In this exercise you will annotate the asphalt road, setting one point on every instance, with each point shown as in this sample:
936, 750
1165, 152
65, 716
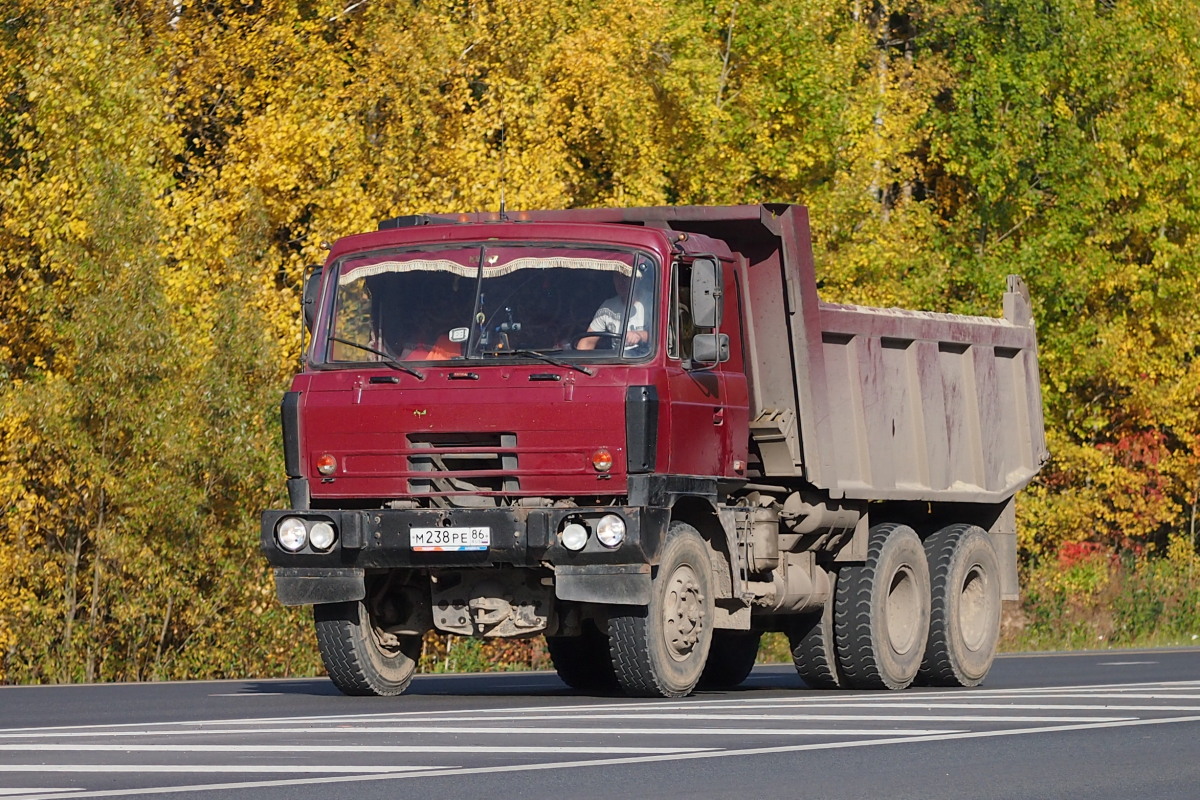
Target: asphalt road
1101, 726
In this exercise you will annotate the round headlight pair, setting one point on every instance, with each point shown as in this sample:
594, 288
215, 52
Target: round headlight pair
610, 530
292, 534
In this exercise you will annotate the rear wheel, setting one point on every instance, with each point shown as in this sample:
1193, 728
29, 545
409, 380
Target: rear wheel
730, 659
881, 616
360, 658
660, 650
964, 622
583, 661
814, 649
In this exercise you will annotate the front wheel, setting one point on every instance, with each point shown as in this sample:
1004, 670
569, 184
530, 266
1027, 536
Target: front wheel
360, 658
964, 622
660, 650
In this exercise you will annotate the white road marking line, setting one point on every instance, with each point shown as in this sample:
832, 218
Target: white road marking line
823, 700
333, 725
21, 792
509, 731
453, 727
832, 717
1017, 707
1124, 663
444, 772
1102, 696
262, 769
1013, 707
911, 702
129, 747
1095, 687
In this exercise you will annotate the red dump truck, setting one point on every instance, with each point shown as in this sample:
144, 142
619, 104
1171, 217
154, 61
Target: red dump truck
641, 434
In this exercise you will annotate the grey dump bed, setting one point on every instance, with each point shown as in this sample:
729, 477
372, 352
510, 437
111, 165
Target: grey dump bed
882, 404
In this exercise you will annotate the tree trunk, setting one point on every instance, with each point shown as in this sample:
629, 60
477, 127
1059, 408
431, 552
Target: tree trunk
70, 598
162, 638
93, 618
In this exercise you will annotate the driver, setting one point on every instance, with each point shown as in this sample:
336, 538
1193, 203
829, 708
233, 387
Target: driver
608, 317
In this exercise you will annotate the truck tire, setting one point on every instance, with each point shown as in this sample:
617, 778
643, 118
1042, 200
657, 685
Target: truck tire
660, 650
730, 659
583, 662
964, 619
356, 660
881, 616
814, 648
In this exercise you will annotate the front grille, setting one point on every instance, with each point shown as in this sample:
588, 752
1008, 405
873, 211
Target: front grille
463, 463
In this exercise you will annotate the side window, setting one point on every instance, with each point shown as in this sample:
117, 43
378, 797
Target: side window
682, 329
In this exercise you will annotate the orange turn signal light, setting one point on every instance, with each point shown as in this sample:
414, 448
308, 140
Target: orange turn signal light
602, 460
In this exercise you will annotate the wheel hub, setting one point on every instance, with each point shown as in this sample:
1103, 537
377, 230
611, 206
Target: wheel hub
974, 610
683, 613
903, 611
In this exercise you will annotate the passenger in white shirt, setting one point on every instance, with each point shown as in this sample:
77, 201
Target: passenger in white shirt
608, 318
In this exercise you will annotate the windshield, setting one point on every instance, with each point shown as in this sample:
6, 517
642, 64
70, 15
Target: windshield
437, 305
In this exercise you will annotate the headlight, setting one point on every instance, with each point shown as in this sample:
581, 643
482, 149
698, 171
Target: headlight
291, 534
322, 536
574, 536
611, 530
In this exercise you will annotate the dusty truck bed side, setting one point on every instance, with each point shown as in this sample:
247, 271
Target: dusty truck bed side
925, 406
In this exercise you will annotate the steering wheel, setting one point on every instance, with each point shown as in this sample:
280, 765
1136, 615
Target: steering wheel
609, 335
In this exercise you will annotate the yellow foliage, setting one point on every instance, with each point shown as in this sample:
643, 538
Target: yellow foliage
195, 156
1181, 551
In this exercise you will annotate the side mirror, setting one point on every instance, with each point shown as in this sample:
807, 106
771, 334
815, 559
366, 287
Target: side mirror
710, 348
308, 301
706, 292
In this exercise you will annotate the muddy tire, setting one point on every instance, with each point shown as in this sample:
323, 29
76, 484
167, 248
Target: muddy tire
881, 614
583, 662
814, 647
356, 658
730, 659
964, 621
660, 650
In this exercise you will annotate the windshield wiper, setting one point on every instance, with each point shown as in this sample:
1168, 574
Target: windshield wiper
558, 362
387, 359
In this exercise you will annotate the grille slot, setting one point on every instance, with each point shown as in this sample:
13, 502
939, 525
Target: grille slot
463, 463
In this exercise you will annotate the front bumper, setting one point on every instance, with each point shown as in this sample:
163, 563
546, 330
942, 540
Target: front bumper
379, 539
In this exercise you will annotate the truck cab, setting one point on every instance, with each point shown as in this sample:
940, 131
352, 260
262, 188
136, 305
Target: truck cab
493, 419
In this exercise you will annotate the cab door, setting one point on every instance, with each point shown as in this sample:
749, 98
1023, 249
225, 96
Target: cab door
707, 398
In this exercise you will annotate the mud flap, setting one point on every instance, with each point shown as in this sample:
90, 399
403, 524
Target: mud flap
303, 586
620, 584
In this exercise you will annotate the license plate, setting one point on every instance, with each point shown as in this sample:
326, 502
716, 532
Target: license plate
450, 539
